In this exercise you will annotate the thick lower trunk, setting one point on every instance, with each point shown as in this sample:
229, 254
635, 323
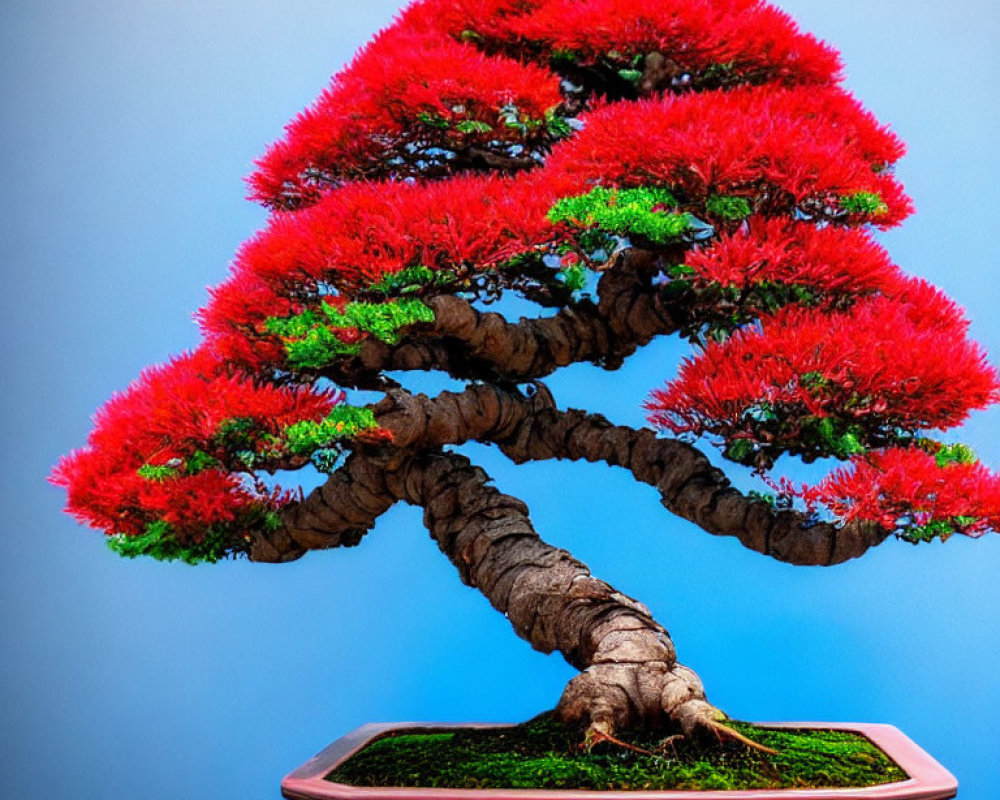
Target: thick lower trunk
630, 673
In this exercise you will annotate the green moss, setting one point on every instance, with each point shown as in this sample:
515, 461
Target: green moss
545, 754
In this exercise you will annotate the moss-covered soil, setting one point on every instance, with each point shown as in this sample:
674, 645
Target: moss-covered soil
545, 754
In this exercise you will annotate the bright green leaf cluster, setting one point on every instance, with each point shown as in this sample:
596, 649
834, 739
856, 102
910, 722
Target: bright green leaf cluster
955, 454
343, 422
411, 279
311, 339
433, 120
867, 203
625, 212
159, 542
192, 465
574, 277
935, 529
157, 472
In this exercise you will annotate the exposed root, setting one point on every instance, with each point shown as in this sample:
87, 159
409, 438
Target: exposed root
724, 732
598, 732
671, 742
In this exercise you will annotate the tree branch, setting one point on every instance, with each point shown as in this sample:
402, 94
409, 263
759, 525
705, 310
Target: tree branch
690, 487
337, 514
470, 344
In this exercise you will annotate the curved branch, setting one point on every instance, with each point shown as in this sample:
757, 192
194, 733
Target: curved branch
467, 343
530, 428
691, 487
337, 514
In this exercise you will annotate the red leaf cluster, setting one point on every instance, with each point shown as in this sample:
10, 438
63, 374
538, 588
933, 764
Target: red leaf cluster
901, 362
399, 99
896, 484
781, 149
753, 39
828, 260
360, 233
162, 419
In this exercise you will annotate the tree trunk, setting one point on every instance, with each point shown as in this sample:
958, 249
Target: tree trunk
630, 673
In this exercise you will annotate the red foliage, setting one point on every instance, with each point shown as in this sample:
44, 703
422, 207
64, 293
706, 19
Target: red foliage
900, 362
781, 149
168, 414
401, 97
891, 485
755, 40
362, 232
828, 261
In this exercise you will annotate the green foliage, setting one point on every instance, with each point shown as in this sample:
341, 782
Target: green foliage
815, 437
574, 277
731, 208
433, 120
564, 56
545, 754
157, 472
955, 454
472, 126
867, 203
237, 433
556, 124
343, 422
384, 321
625, 212
192, 465
410, 280
158, 541
198, 461
311, 339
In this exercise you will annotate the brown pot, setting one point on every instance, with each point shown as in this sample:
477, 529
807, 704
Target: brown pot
928, 779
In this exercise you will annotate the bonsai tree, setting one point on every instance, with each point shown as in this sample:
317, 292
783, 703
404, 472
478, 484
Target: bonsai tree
633, 170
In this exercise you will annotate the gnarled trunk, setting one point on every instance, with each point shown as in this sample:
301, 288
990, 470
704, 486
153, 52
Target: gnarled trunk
630, 673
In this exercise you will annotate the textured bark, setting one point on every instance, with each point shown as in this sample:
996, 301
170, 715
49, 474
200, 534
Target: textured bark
691, 487
630, 671
531, 428
468, 343
337, 514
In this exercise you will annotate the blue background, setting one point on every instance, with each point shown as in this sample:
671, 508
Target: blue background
127, 130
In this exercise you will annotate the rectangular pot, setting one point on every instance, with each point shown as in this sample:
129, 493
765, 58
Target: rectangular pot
928, 779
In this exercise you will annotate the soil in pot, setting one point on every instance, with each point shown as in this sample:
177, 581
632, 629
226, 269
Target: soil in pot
546, 754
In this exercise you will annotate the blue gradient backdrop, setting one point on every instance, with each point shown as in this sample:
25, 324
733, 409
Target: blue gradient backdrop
127, 130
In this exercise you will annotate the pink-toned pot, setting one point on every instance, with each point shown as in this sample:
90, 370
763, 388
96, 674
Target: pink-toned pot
928, 779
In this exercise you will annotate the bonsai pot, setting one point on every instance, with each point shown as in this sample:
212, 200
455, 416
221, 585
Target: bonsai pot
927, 779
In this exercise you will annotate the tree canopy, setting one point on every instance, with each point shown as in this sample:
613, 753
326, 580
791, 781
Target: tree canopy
635, 170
